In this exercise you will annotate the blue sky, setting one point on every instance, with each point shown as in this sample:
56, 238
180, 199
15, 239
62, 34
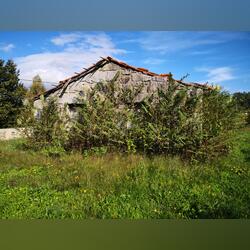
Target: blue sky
215, 57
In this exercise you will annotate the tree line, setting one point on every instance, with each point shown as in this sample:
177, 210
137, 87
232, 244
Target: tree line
13, 93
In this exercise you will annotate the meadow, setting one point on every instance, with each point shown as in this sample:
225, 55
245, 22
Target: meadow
37, 184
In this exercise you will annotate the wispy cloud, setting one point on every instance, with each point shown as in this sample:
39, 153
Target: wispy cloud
7, 47
218, 74
200, 52
169, 41
153, 61
63, 39
55, 66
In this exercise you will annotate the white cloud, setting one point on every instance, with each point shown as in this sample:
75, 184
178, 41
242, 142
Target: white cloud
200, 52
7, 47
66, 38
153, 61
172, 41
56, 66
217, 75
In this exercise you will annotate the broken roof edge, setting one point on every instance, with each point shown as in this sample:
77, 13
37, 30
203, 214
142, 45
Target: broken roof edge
64, 83
147, 72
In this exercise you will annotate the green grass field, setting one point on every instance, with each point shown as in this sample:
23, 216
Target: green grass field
35, 185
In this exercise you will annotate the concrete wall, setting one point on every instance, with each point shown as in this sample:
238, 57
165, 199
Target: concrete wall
10, 133
106, 73
126, 79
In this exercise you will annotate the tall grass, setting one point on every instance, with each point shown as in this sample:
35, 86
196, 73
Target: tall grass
36, 185
174, 154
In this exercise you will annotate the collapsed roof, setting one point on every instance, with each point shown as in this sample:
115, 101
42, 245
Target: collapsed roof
65, 83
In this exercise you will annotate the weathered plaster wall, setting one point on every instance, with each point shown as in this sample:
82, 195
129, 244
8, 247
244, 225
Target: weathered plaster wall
10, 133
127, 78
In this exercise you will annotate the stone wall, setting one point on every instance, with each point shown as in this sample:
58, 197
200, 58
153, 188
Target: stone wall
127, 77
10, 133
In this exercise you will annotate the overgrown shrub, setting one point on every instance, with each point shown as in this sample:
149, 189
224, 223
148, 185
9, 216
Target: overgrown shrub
175, 120
168, 124
99, 124
103, 119
220, 117
45, 128
248, 116
242, 100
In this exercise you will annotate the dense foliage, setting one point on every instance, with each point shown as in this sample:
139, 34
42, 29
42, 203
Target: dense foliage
36, 88
242, 100
194, 124
44, 128
186, 122
35, 185
12, 94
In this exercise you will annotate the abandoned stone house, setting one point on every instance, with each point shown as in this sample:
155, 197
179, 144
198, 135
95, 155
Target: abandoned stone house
68, 91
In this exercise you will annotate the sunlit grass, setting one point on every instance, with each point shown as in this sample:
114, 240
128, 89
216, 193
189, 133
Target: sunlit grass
33, 185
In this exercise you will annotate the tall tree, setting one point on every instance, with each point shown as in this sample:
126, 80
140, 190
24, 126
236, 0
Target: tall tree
11, 94
243, 102
36, 88
242, 99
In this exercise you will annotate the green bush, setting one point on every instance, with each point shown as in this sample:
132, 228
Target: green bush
99, 124
186, 121
242, 100
248, 117
48, 128
194, 124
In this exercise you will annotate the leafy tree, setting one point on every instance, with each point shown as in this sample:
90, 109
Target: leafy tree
11, 94
36, 88
242, 99
243, 103
46, 129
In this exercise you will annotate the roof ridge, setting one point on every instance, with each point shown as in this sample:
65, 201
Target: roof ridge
138, 69
146, 71
64, 83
